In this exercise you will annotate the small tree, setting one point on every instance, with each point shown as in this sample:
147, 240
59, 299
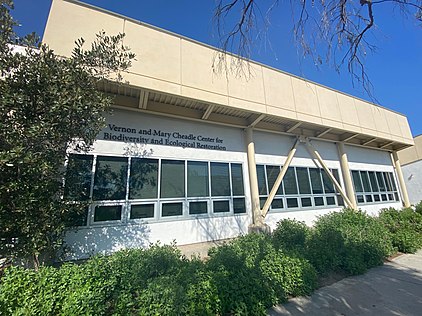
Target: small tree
47, 103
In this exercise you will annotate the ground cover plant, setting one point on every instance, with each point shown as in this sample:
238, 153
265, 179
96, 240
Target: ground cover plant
243, 277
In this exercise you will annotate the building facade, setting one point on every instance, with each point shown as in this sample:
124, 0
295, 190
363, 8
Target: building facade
411, 160
192, 156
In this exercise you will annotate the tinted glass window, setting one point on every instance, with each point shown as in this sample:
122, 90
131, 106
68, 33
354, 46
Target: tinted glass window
316, 181
356, 181
381, 183
171, 209
107, 213
237, 179
141, 211
328, 185
220, 179
143, 180
290, 181
365, 181
272, 174
78, 177
221, 206
110, 178
373, 180
198, 179
303, 180
198, 208
172, 179
262, 184
239, 205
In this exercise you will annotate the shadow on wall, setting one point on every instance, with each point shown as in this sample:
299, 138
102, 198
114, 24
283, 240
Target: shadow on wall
213, 229
84, 243
385, 290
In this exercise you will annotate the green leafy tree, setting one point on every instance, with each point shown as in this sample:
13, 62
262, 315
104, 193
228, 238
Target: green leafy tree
47, 104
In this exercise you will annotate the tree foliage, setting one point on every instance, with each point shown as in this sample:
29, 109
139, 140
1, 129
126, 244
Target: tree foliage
47, 104
331, 31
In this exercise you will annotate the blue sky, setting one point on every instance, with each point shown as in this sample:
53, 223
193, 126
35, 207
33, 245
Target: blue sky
395, 69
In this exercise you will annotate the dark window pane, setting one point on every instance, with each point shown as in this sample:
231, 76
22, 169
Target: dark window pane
277, 204
331, 200
237, 179
221, 206
393, 182
306, 202
198, 179
368, 198
290, 181
143, 180
387, 181
373, 181
390, 196
356, 181
360, 199
262, 201
316, 181
172, 179
381, 183
377, 198
141, 211
239, 205
78, 178
272, 174
220, 179
292, 203
365, 181
303, 180
396, 196
384, 197
340, 200
336, 176
110, 178
171, 209
262, 184
198, 208
328, 185
107, 213
319, 201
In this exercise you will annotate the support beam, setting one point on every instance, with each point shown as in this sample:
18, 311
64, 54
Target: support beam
253, 179
291, 129
143, 99
387, 144
345, 171
208, 111
314, 153
324, 132
277, 182
349, 138
369, 141
257, 120
400, 177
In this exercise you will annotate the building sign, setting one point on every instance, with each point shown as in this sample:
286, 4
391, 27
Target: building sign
154, 136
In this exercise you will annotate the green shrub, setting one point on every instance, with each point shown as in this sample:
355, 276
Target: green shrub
291, 235
405, 227
349, 241
418, 208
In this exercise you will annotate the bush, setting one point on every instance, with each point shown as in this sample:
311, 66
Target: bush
405, 227
349, 241
251, 275
291, 235
418, 208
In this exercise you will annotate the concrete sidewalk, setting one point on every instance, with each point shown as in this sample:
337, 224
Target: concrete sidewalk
392, 289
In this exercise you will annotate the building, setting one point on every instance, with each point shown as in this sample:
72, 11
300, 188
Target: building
192, 156
411, 160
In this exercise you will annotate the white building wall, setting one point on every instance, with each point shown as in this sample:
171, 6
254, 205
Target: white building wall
271, 149
412, 174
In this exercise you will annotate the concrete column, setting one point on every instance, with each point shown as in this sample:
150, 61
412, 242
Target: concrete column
400, 177
345, 171
253, 179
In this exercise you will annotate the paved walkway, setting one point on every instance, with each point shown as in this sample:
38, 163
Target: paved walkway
393, 289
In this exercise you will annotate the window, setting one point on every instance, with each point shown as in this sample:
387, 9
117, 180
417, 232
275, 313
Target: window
110, 178
78, 178
374, 187
301, 187
153, 189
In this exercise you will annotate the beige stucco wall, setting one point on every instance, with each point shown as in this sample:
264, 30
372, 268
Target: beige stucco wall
413, 153
175, 65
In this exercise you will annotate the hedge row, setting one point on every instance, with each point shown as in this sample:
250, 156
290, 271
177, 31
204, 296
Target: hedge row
243, 277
